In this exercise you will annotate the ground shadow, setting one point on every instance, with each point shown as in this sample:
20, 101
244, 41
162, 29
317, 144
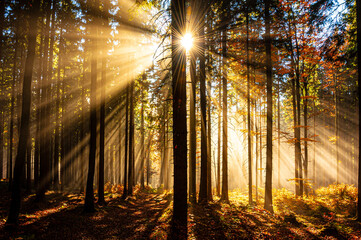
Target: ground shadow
134, 218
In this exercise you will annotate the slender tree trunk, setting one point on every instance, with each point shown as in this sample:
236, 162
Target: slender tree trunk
2, 97
162, 141
131, 182
52, 151
257, 149
224, 196
126, 143
25, 117
305, 119
142, 142
12, 109
57, 153
209, 145
298, 134
166, 149
219, 139
279, 133
268, 189
249, 129
297, 188
89, 194
38, 111
336, 131
358, 6
314, 143
45, 118
260, 147
203, 193
28, 164
179, 221
192, 131
120, 140
103, 85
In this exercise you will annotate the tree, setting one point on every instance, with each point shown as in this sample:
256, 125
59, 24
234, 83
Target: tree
89, 194
142, 142
2, 23
131, 158
358, 6
203, 193
25, 116
101, 199
249, 127
179, 221
126, 143
224, 196
268, 189
45, 151
192, 131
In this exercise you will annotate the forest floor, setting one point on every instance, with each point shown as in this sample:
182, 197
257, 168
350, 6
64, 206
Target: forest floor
326, 214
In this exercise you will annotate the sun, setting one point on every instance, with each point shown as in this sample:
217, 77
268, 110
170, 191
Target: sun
187, 41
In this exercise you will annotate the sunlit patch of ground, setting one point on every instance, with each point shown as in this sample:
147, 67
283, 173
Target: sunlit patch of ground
326, 214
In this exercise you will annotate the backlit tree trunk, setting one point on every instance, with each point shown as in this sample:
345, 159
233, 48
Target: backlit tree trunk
179, 221
268, 188
25, 117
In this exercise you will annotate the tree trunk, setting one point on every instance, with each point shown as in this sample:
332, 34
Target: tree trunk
192, 131
219, 139
249, 129
203, 193
224, 196
131, 182
2, 97
102, 86
358, 6
336, 131
279, 134
57, 153
179, 221
25, 117
142, 132
12, 109
52, 159
89, 194
45, 118
126, 143
209, 145
268, 188
305, 119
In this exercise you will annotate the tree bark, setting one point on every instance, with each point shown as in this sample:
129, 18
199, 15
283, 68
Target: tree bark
192, 131
203, 193
268, 188
126, 143
249, 128
131, 182
89, 194
179, 221
224, 196
102, 86
142, 142
25, 117
358, 6
45, 118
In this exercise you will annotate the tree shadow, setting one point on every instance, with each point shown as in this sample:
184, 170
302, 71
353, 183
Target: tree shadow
217, 221
205, 221
135, 218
